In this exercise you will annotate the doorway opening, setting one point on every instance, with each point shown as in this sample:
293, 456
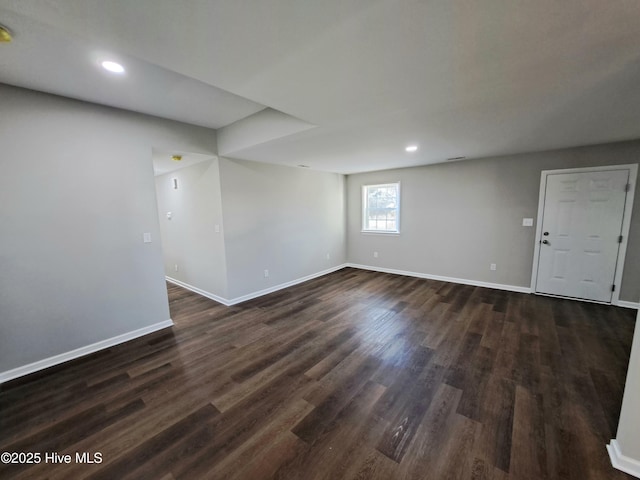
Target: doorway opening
190, 220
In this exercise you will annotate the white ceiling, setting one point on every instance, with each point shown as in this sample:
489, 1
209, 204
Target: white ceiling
49, 60
459, 77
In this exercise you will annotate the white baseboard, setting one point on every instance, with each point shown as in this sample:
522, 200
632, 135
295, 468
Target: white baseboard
621, 462
625, 304
250, 296
275, 288
81, 352
199, 291
463, 281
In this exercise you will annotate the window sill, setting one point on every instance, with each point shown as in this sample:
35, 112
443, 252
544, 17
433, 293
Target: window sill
377, 232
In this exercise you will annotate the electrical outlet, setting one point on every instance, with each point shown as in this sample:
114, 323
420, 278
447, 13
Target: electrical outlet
328, 256
492, 266
266, 274
375, 254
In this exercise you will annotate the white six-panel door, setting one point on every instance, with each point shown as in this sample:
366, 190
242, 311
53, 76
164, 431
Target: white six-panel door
581, 228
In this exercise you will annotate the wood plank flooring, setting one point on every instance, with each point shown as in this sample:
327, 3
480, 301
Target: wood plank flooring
355, 375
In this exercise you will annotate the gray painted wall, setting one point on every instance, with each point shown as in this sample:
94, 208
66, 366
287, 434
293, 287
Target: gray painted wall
189, 238
76, 194
458, 218
281, 219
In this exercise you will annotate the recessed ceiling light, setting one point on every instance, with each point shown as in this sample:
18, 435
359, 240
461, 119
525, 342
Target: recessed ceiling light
411, 148
112, 67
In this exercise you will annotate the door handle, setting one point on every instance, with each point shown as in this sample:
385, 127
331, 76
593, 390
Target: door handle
546, 242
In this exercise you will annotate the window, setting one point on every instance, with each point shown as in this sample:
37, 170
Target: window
381, 208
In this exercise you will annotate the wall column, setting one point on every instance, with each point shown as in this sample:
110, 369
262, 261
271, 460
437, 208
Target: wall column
624, 450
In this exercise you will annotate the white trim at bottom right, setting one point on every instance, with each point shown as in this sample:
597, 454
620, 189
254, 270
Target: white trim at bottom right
621, 462
625, 304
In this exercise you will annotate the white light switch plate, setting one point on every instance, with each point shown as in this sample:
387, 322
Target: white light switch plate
146, 237
527, 222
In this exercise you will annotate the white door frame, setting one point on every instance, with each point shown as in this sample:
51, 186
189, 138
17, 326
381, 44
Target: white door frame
626, 221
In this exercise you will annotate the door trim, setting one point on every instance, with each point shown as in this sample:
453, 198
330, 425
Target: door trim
626, 220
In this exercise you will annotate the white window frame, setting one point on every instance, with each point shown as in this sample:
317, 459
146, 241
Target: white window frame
365, 208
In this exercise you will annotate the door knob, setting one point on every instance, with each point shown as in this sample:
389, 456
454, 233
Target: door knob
546, 242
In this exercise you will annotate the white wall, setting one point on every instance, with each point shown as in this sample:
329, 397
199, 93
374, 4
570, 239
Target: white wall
280, 219
625, 449
76, 194
458, 218
189, 238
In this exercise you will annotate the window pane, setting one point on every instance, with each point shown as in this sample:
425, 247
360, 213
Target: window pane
380, 207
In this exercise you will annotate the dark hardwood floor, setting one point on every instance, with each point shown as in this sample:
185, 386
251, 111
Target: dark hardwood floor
355, 375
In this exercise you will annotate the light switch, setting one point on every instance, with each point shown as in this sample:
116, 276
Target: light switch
146, 237
217, 228
527, 222
168, 215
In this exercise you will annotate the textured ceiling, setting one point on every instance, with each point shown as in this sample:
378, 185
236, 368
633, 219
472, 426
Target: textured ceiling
458, 78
